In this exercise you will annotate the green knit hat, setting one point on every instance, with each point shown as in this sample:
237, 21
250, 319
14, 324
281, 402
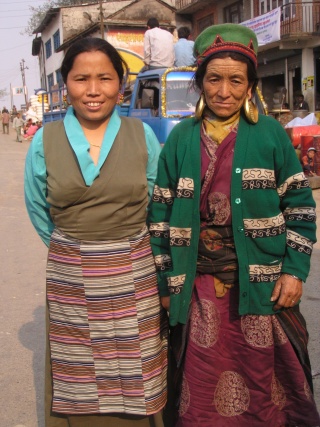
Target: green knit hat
226, 38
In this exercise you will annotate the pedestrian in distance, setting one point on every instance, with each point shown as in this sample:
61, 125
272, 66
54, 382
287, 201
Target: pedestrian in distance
300, 103
183, 49
5, 121
87, 180
308, 163
233, 225
158, 46
18, 125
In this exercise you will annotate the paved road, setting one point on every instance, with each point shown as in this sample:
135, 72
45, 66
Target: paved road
22, 280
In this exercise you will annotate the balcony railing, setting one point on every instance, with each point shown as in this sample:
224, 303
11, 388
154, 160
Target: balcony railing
300, 18
181, 4
296, 17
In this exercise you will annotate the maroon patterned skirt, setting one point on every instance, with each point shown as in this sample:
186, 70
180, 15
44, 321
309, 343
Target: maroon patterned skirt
240, 371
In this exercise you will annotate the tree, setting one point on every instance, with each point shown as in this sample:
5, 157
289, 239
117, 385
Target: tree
39, 12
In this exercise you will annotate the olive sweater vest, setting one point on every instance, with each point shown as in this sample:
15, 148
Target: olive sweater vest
114, 206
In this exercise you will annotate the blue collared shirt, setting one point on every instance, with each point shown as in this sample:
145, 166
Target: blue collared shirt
183, 51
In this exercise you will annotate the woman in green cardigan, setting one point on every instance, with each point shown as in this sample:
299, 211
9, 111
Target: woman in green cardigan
232, 224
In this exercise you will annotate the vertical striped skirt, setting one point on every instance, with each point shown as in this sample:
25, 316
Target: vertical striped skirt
107, 331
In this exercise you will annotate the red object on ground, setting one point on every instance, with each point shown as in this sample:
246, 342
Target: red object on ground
316, 145
297, 132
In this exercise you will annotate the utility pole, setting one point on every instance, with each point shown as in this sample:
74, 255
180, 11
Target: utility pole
11, 97
22, 68
101, 19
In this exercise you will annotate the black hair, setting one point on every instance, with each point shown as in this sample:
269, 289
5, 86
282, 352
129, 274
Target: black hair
93, 44
183, 32
251, 69
153, 23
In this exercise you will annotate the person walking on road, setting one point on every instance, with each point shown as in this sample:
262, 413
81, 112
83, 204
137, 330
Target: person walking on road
87, 181
5, 121
17, 125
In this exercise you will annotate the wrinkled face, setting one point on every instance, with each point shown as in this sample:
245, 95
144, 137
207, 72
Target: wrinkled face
93, 86
226, 86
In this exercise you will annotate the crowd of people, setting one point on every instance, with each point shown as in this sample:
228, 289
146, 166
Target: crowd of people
153, 249
24, 129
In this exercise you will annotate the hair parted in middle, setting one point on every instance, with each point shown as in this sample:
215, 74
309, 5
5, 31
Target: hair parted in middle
93, 44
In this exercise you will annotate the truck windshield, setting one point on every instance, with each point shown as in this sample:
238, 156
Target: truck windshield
181, 97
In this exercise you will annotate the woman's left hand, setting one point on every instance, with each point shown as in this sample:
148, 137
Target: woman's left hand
287, 291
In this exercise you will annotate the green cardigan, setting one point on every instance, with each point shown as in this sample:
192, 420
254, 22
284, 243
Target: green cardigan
273, 214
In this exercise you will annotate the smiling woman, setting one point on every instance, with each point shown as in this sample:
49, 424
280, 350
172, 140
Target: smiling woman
93, 86
87, 181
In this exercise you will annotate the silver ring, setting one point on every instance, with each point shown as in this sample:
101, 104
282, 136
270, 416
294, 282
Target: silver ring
293, 300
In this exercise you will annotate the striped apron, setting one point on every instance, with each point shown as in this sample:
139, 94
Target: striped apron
107, 331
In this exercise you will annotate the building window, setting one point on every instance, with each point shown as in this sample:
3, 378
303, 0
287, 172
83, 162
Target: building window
48, 49
233, 13
59, 78
50, 81
56, 40
205, 23
288, 9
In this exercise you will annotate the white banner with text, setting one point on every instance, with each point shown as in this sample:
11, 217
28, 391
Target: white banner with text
266, 26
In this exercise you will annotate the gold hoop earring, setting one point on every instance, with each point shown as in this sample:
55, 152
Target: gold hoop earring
120, 98
201, 104
66, 100
251, 111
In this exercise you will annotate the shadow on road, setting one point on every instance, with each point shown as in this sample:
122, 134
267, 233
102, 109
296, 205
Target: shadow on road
32, 336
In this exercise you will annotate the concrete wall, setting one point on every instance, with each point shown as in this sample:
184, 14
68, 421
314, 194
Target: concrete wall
307, 71
142, 10
53, 63
207, 16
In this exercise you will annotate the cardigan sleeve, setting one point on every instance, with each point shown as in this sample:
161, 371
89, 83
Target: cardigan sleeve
298, 208
159, 220
174, 214
153, 148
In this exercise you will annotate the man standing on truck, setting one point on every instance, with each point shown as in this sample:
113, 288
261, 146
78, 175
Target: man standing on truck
158, 47
183, 49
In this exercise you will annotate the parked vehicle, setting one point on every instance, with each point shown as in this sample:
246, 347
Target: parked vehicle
161, 98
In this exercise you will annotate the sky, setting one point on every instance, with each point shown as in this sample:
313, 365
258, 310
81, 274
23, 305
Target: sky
14, 47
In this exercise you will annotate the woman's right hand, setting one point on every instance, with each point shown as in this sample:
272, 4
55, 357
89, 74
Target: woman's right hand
165, 302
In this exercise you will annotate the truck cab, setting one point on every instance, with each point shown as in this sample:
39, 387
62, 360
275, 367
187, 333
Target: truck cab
161, 98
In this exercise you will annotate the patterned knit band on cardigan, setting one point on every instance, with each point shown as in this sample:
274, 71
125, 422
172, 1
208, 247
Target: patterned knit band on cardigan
226, 38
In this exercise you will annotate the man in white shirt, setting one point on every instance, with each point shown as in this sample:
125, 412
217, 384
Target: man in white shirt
158, 46
17, 125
